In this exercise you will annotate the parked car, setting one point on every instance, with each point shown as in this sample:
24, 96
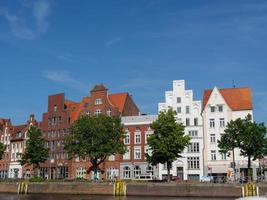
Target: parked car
206, 179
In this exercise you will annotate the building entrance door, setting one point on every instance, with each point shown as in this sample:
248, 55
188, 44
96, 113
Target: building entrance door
180, 173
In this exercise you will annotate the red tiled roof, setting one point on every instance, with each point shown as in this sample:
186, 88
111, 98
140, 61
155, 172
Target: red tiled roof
118, 100
236, 98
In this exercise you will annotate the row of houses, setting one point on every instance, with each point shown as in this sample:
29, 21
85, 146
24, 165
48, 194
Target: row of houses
204, 122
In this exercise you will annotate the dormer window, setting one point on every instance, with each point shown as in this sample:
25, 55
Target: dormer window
55, 108
98, 101
18, 135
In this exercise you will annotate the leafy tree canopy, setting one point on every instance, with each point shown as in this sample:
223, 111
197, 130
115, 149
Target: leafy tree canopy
96, 137
2, 150
248, 136
168, 141
36, 151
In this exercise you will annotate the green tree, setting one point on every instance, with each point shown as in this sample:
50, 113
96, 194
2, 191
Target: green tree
2, 150
36, 151
230, 140
246, 135
168, 141
95, 137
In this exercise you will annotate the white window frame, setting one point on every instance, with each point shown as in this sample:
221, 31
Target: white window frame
137, 153
127, 154
127, 139
98, 101
135, 137
213, 154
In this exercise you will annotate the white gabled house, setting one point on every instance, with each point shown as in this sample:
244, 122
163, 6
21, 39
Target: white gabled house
219, 107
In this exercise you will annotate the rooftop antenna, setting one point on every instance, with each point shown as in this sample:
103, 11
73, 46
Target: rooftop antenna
233, 83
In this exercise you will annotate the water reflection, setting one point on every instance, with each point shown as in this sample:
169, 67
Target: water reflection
90, 197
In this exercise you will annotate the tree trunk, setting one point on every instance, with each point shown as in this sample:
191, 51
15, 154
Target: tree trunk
168, 170
249, 169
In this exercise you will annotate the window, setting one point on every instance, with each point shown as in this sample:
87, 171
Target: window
98, 112
187, 109
98, 101
212, 138
137, 138
193, 133
213, 154
55, 108
193, 147
193, 177
88, 113
127, 138
195, 121
220, 108
212, 109
109, 112
111, 158
193, 162
137, 171
222, 122
126, 172
137, 153
187, 121
212, 123
178, 99
127, 155
223, 156
80, 172
137, 128
179, 110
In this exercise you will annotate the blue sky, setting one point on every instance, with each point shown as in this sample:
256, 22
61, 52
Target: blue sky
52, 46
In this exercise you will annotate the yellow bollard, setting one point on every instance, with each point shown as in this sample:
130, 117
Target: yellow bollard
119, 188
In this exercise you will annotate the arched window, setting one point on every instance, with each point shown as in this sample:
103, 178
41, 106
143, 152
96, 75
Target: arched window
137, 171
149, 169
126, 172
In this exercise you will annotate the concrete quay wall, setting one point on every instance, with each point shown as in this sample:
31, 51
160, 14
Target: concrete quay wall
134, 189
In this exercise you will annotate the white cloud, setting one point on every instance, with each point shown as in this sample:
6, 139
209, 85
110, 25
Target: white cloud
41, 10
64, 78
113, 41
28, 27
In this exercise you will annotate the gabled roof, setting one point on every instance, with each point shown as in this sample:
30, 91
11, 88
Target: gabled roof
236, 98
16, 129
118, 100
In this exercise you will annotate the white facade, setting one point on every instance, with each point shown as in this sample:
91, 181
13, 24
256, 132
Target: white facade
15, 169
190, 165
216, 114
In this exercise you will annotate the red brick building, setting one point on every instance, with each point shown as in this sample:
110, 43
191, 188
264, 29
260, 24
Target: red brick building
62, 113
5, 134
133, 164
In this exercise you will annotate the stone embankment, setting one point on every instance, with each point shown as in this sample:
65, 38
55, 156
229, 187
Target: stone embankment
134, 189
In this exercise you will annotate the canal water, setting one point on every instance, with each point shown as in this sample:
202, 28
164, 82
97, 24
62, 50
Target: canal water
90, 197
